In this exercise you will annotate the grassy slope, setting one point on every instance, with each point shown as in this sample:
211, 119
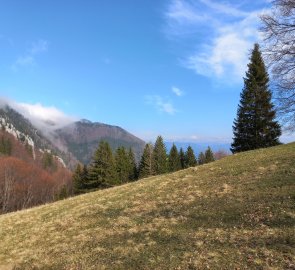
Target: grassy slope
238, 212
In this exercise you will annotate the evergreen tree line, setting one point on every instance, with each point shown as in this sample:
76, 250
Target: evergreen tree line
106, 169
109, 169
155, 160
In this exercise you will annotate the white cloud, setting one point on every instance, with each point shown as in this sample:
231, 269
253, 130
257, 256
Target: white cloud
29, 59
160, 104
177, 91
222, 49
227, 54
46, 118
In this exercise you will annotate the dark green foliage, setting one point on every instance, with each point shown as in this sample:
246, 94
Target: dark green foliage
132, 168
122, 165
63, 193
182, 158
5, 146
255, 125
174, 160
209, 156
201, 158
159, 162
48, 161
145, 166
84, 176
77, 180
190, 158
80, 180
102, 171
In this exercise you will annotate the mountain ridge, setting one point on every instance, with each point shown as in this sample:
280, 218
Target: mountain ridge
74, 142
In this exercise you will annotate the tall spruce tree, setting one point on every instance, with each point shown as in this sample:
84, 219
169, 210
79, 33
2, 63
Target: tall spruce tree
122, 164
132, 168
102, 171
77, 180
190, 158
173, 159
84, 177
182, 158
255, 125
209, 156
80, 179
159, 163
145, 165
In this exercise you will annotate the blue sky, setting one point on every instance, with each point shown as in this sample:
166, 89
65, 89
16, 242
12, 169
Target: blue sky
171, 67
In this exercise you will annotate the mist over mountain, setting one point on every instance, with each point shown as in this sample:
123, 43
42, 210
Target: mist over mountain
70, 139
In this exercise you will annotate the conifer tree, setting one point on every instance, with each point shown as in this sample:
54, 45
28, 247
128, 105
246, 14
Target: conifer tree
122, 164
159, 161
201, 158
182, 158
190, 158
102, 171
133, 174
255, 125
77, 180
145, 166
173, 159
209, 156
84, 177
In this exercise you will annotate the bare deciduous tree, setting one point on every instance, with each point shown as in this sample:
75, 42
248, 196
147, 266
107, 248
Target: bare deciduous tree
279, 50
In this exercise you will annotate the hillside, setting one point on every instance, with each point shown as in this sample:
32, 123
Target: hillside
236, 213
74, 142
29, 176
81, 138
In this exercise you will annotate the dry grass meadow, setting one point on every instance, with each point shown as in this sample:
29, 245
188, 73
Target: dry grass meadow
236, 213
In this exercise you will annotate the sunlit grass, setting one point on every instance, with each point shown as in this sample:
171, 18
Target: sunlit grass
236, 213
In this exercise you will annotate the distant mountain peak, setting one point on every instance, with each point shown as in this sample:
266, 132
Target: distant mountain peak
85, 121
73, 142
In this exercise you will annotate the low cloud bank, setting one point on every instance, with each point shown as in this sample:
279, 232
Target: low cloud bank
47, 119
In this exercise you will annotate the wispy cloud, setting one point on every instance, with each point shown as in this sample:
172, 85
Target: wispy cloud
23, 61
226, 35
160, 104
177, 91
224, 8
29, 58
183, 12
